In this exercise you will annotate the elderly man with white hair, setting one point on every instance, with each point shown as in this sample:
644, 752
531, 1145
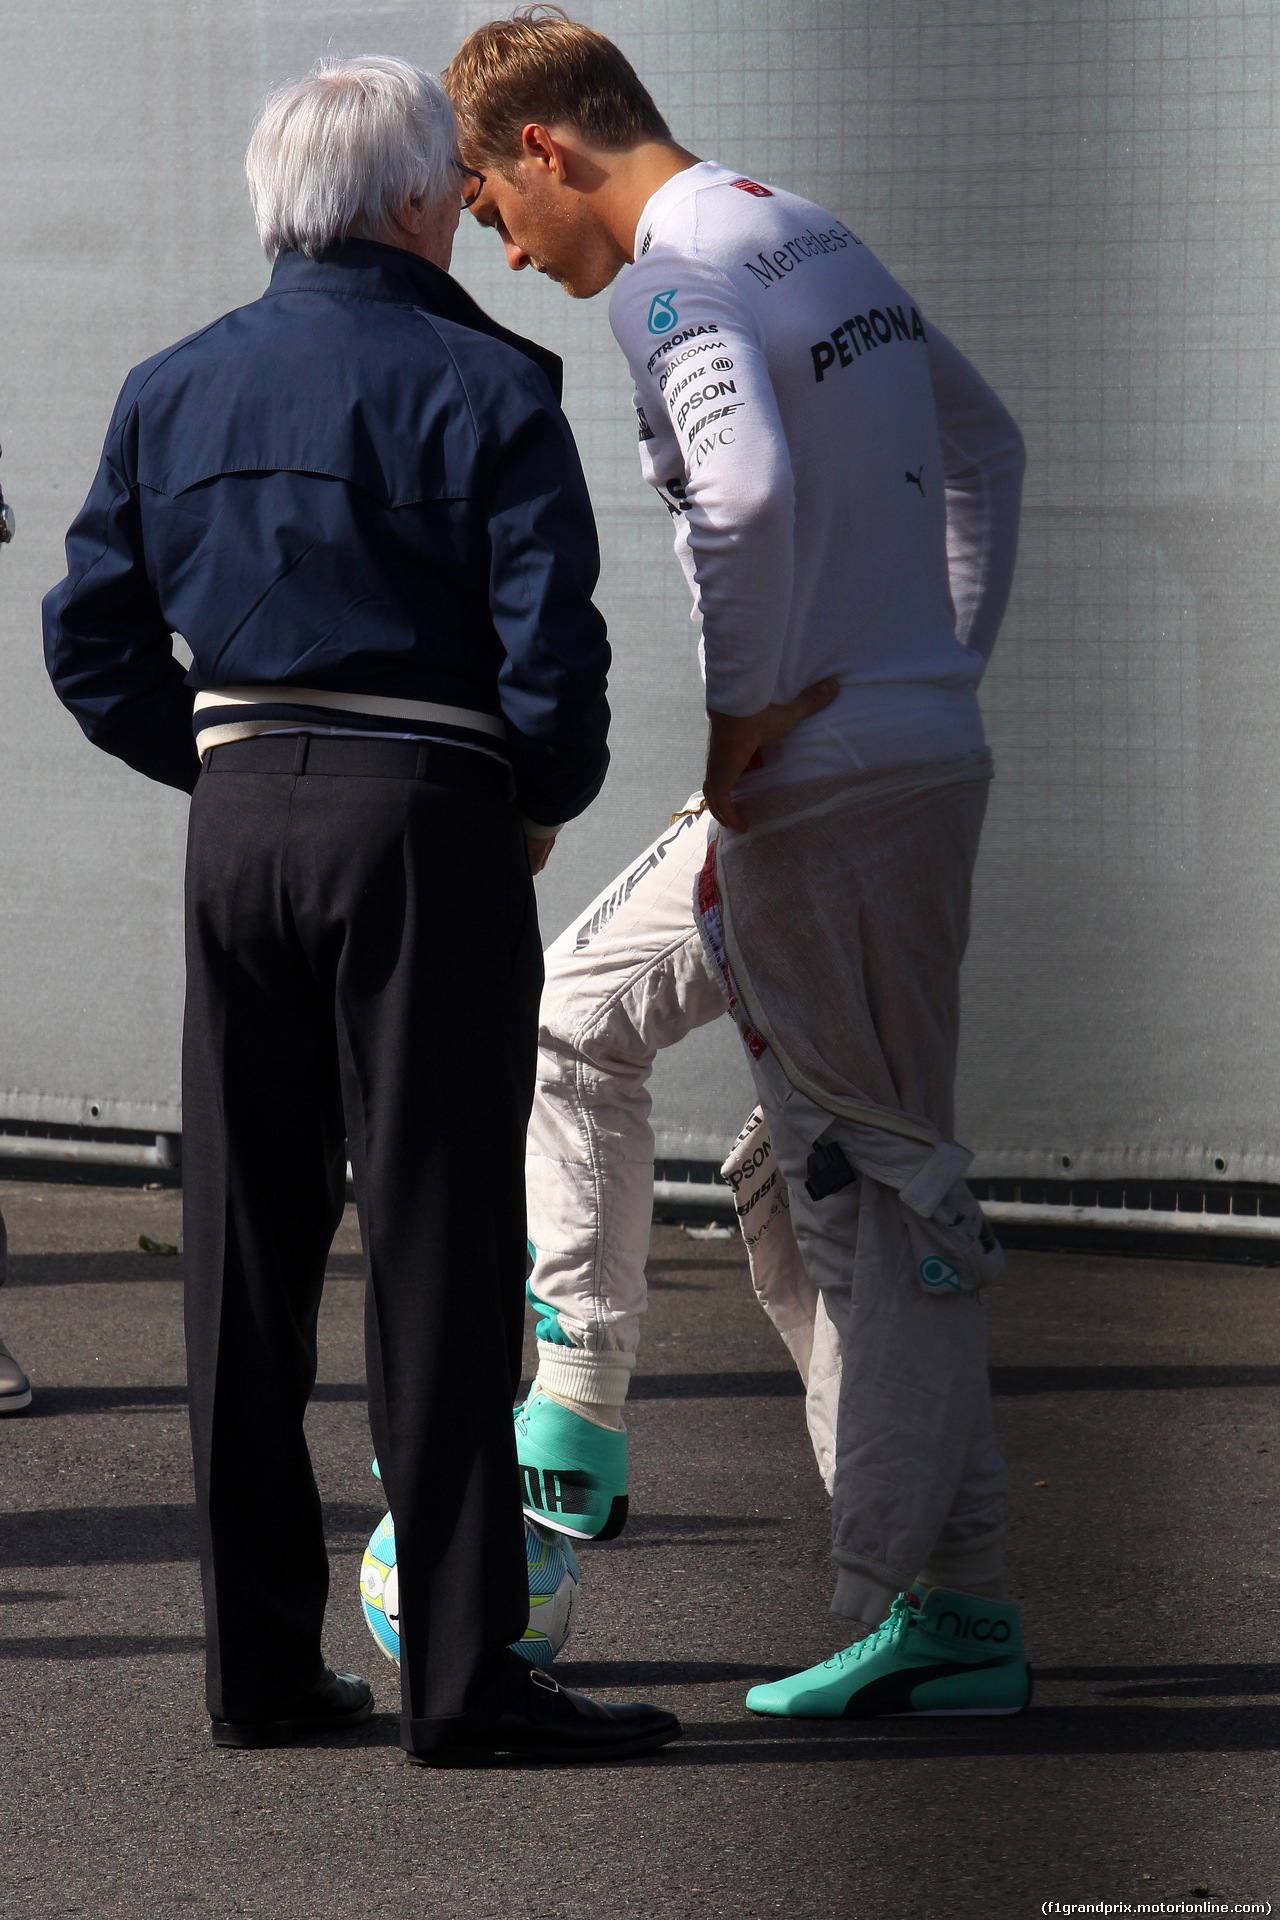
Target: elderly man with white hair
358, 501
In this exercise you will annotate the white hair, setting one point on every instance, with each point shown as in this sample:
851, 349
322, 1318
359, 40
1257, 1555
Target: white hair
337, 155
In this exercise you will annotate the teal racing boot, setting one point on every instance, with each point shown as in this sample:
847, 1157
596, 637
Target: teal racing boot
954, 1654
573, 1474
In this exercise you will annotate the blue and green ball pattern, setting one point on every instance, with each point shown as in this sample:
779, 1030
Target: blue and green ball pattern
553, 1592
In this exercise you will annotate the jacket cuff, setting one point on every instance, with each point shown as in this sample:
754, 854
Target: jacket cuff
536, 831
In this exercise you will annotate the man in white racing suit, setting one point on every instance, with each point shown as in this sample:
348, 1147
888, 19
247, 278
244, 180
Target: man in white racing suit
844, 489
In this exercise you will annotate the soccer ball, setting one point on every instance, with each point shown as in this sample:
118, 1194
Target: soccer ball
380, 1588
553, 1592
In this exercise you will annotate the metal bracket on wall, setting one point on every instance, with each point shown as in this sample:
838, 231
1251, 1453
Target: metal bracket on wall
1190, 1210
690, 1191
1233, 1226
163, 1153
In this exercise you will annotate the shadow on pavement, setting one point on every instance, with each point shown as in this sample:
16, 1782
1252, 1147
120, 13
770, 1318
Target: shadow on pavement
51, 1403
1010, 1382
145, 1535
79, 1269
140, 1536
648, 1530
1044, 1731
583, 1675
384, 1731
129, 1267
717, 1386
1181, 1682
1007, 1382
104, 1646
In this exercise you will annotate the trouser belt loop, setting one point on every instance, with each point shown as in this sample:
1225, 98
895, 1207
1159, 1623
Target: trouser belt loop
302, 747
423, 762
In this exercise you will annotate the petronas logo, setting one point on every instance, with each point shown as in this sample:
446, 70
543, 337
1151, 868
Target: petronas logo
662, 315
939, 1277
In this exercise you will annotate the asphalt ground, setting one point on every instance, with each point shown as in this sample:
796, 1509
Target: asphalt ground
1136, 1404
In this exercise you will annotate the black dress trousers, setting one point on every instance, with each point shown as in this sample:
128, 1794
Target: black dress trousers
363, 973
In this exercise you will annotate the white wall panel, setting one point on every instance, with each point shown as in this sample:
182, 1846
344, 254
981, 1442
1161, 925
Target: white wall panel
1083, 195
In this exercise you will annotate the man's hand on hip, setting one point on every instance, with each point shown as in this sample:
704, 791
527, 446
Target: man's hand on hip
735, 740
539, 851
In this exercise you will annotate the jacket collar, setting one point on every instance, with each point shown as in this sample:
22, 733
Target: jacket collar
369, 270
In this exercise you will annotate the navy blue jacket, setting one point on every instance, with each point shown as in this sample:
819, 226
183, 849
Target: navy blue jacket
359, 484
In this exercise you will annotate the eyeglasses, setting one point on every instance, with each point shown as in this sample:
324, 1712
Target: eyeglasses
469, 173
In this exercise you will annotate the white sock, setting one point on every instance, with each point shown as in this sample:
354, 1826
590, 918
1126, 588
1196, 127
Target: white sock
592, 1385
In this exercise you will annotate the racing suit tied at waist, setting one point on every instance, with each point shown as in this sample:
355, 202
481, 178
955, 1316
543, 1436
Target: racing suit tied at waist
849, 862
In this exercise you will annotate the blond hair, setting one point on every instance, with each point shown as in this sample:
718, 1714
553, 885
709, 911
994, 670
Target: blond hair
538, 65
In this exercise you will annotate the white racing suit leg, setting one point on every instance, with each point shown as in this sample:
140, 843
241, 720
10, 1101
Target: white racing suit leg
628, 978
793, 1302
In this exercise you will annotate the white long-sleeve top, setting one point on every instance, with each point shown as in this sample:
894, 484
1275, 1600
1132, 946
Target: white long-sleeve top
845, 487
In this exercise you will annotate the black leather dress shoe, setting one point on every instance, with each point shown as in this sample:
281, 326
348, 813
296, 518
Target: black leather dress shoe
542, 1720
336, 1701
